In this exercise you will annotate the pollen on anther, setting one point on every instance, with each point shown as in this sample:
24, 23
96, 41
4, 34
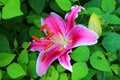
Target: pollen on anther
43, 27
36, 38
49, 45
49, 35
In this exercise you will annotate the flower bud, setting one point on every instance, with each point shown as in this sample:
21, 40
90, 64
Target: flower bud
94, 24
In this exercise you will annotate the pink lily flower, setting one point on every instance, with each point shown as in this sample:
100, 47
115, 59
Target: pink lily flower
60, 38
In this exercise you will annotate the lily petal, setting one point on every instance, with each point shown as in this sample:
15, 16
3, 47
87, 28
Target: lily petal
46, 58
65, 61
80, 35
55, 23
38, 46
71, 16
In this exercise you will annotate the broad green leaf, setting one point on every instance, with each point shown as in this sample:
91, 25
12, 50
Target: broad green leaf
94, 10
55, 7
11, 9
32, 69
0, 74
33, 56
111, 42
65, 5
4, 44
33, 31
108, 5
115, 68
82, 53
98, 61
80, 70
63, 76
93, 3
54, 75
60, 68
0, 15
114, 19
23, 57
3, 1
6, 58
15, 71
90, 74
37, 5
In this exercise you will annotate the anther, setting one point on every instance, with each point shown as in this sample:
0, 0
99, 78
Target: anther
49, 45
43, 27
49, 35
36, 38
48, 31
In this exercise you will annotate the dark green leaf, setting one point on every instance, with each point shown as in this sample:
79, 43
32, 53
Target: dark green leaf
108, 5
55, 7
97, 60
111, 42
80, 70
60, 68
37, 5
35, 32
82, 53
11, 9
15, 71
32, 69
4, 44
0, 74
6, 58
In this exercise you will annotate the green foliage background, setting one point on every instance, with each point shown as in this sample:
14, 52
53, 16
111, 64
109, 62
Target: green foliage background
19, 19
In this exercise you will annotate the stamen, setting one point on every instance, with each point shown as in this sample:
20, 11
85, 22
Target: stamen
49, 35
48, 31
36, 38
61, 48
49, 45
43, 27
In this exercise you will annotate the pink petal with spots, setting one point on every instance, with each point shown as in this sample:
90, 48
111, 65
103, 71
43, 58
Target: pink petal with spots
38, 46
46, 58
55, 23
71, 16
65, 61
80, 35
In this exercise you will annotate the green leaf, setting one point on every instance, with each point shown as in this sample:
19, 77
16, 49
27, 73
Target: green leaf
82, 53
90, 74
55, 7
37, 5
92, 10
25, 45
115, 68
60, 68
98, 61
4, 44
32, 69
111, 42
0, 74
80, 70
114, 19
11, 9
23, 57
63, 76
118, 11
108, 5
112, 56
4, 1
6, 58
54, 75
15, 71
93, 3
65, 5
35, 31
